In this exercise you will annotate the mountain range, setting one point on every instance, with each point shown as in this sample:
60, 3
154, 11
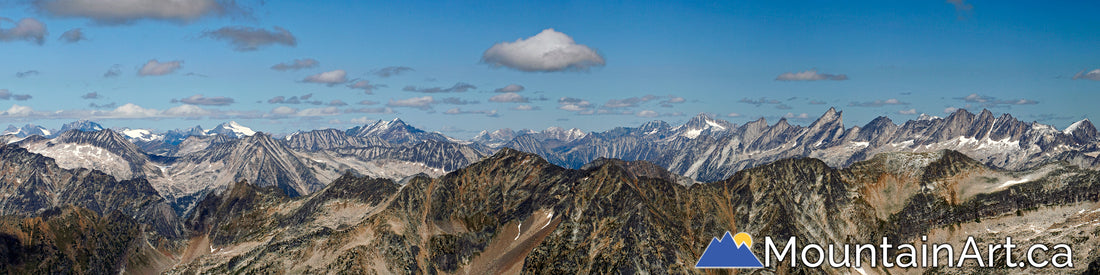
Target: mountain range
387, 197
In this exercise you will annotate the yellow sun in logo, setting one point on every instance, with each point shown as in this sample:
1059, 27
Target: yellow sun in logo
742, 239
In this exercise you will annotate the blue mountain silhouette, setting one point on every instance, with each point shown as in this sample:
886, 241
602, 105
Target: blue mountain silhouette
724, 253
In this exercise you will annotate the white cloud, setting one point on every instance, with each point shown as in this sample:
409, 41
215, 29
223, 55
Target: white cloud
327, 111
284, 110
457, 111
126, 11
511, 88
28, 29
154, 67
908, 112
647, 113
365, 86
360, 120
1091, 75
797, 116
130, 110
733, 115
17, 110
950, 110
508, 97
525, 107
392, 71
186, 110
878, 103
199, 99
423, 102
574, 104
810, 75
328, 78
547, 51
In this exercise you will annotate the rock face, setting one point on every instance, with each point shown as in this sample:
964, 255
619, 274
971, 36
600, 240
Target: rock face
515, 212
707, 149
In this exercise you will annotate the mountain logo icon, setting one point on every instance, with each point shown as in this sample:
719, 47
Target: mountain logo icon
729, 252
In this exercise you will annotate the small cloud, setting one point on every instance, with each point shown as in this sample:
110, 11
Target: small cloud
27, 29
511, 88
423, 103
811, 75
303, 99
783, 107
154, 67
130, 110
8, 95
284, 110
574, 104
26, 73
797, 116
548, 51
126, 12
111, 105
525, 107
758, 102
368, 102
647, 113
455, 101
17, 110
186, 110
878, 103
296, 64
457, 111
628, 102
667, 103
1091, 75
91, 95
337, 102
199, 99
314, 112
250, 39
457, 88
72, 36
392, 71
114, 71
365, 86
733, 115
330, 78
962, 8
990, 102
509, 97
908, 112
950, 110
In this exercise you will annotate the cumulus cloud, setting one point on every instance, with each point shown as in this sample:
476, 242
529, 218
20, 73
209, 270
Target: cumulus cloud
392, 71
368, 102
907, 112
548, 51
423, 103
1090, 75
667, 103
989, 101
647, 113
509, 97
878, 103
457, 111
296, 64
199, 99
186, 110
574, 104
950, 110
511, 88
525, 107
27, 73
126, 11
810, 75
26, 29
284, 110
17, 110
330, 78
337, 102
91, 95
457, 88
114, 71
130, 110
733, 115
8, 95
154, 67
366, 86
72, 36
250, 39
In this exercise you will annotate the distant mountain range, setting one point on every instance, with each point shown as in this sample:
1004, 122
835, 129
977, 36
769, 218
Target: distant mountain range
387, 197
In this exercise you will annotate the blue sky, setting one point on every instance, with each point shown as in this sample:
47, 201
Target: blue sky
737, 60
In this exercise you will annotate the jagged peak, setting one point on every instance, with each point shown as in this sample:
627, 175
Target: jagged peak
879, 121
960, 113
924, 116
1083, 124
830, 116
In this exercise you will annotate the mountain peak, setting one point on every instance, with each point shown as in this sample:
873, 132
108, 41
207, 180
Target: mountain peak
82, 125
232, 129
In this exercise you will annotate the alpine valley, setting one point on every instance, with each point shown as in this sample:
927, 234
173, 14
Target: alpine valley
386, 197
